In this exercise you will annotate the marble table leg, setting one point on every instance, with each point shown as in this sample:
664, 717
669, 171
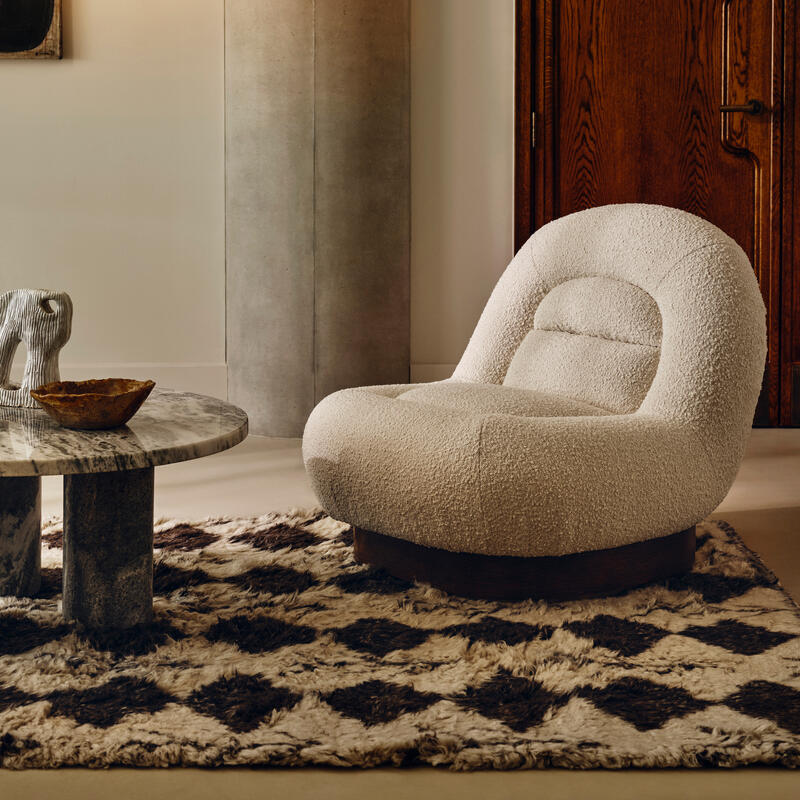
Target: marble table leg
108, 548
20, 536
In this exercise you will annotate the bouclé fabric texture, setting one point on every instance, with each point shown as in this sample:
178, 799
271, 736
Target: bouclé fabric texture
605, 398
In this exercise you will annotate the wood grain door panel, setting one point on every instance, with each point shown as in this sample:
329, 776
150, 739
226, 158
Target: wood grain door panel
627, 101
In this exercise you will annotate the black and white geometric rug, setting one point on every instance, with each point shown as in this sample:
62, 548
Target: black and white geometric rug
273, 647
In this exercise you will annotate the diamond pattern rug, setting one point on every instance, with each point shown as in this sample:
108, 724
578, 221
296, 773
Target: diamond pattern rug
271, 646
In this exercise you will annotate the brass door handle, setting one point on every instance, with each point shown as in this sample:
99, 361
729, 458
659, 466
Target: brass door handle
750, 107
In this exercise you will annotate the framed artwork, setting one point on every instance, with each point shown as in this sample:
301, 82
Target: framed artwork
30, 28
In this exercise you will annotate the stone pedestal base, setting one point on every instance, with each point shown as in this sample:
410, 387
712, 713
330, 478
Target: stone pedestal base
20, 536
108, 548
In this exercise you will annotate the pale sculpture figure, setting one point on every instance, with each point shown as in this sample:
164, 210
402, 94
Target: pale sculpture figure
42, 320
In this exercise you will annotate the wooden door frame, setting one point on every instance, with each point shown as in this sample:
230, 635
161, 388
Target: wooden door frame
524, 145
790, 223
535, 156
534, 150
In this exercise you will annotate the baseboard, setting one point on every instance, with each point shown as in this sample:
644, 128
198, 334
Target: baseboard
425, 373
210, 379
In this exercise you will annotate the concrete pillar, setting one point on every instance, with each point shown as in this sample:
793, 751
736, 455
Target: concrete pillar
317, 109
362, 194
269, 98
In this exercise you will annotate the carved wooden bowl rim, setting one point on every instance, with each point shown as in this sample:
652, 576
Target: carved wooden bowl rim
99, 388
93, 404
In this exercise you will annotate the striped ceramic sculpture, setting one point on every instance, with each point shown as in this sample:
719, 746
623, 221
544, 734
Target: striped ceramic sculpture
42, 320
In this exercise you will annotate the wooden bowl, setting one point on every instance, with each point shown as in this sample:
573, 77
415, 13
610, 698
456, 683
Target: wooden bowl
92, 405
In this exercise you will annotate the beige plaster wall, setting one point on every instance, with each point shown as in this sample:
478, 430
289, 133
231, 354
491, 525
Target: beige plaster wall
462, 129
112, 166
112, 186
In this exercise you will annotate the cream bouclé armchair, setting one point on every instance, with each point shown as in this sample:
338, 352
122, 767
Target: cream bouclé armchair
600, 410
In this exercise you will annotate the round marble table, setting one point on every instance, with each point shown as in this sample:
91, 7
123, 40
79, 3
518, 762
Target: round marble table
108, 499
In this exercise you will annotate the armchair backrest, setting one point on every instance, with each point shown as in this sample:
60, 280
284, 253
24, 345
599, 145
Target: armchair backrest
638, 309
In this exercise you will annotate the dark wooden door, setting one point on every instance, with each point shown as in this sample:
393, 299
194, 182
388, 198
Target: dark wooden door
624, 101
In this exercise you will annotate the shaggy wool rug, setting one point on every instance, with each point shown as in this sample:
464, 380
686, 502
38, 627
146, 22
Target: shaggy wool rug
271, 646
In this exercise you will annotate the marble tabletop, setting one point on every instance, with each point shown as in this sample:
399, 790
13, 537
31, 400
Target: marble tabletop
170, 426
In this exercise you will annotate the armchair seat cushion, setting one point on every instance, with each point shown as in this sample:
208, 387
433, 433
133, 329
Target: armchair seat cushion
497, 471
489, 398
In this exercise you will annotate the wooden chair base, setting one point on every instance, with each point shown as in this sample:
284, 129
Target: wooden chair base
590, 574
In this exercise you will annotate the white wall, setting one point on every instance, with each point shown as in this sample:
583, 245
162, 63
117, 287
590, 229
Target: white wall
112, 182
112, 187
462, 128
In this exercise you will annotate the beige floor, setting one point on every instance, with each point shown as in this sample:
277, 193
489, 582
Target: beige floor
267, 474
